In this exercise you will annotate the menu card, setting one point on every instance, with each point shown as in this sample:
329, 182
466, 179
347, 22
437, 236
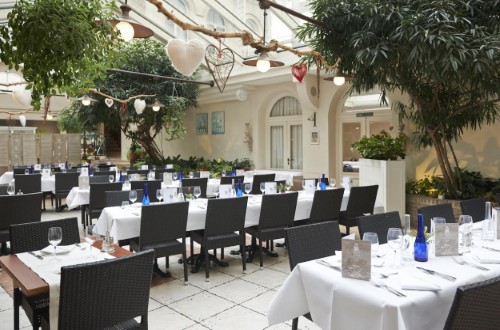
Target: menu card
144, 167
84, 171
240, 172
83, 182
356, 259
170, 195
446, 239
495, 215
37, 167
135, 177
204, 174
45, 172
270, 188
310, 187
169, 166
225, 191
62, 165
167, 178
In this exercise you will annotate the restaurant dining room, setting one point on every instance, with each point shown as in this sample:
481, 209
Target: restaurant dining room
249, 164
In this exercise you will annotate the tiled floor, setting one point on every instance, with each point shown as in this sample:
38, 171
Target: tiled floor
230, 300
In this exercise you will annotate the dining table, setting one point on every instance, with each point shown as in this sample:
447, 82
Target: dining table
27, 270
48, 182
335, 302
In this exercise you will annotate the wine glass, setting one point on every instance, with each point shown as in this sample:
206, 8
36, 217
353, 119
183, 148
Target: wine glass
394, 240
132, 196
159, 194
373, 238
11, 188
191, 174
111, 178
262, 187
288, 184
174, 176
197, 191
248, 188
216, 191
55, 238
331, 182
465, 223
26, 171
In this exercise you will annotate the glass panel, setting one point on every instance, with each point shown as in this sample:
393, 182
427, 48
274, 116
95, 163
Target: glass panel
378, 126
277, 147
286, 106
351, 132
296, 147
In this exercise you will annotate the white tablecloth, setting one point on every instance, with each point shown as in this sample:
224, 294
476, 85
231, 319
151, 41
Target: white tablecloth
77, 197
340, 303
49, 270
48, 183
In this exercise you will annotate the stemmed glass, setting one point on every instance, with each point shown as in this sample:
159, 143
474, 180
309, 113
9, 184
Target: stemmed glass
373, 238
288, 185
216, 191
111, 178
331, 182
132, 196
159, 194
262, 187
197, 191
55, 238
394, 240
174, 176
465, 223
248, 188
11, 188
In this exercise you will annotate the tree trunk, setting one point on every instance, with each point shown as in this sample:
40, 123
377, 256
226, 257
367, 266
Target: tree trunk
151, 148
443, 161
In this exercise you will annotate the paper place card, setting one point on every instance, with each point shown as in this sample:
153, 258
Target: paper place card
83, 182
270, 188
84, 171
37, 167
45, 172
310, 187
170, 195
356, 259
225, 191
62, 165
204, 174
240, 172
135, 177
113, 168
167, 178
144, 167
446, 239
169, 166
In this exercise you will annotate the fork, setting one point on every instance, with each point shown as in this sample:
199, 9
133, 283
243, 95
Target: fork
388, 288
463, 262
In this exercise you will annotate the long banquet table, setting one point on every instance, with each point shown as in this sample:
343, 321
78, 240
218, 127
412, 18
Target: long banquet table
341, 303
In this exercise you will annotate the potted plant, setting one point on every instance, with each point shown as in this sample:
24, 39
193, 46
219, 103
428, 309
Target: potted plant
382, 163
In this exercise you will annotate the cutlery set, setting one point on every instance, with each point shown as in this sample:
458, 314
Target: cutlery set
35, 255
463, 262
435, 273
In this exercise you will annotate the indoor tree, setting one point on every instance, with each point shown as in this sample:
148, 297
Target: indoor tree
443, 54
145, 56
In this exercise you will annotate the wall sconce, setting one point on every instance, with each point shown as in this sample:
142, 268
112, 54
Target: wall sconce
313, 119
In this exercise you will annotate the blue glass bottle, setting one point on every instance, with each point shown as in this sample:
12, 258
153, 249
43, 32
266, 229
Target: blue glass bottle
145, 197
323, 183
66, 165
180, 175
239, 191
421, 253
233, 173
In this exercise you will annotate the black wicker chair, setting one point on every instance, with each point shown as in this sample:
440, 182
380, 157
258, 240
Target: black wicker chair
3, 189
98, 179
257, 179
20, 169
379, 224
474, 207
277, 212
97, 199
106, 174
161, 227
475, 306
309, 242
361, 202
159, 172
153, 185
231, 179
202, 182
326, 205
32, 236
64, 182
439, 210
224, 226
113, 292
115, 198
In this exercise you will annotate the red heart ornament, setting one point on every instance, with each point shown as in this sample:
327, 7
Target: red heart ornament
299, 71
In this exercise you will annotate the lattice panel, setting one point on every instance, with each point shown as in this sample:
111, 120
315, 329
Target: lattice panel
29, 149
45, 149
16, 147
4, 150
74, 146
59, 146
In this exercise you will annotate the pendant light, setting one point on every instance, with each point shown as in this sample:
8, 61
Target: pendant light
129, 28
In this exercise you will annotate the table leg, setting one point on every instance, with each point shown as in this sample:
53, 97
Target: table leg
17, 303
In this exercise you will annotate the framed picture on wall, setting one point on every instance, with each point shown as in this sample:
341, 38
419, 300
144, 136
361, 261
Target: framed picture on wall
201, 123
314, 136
218, 122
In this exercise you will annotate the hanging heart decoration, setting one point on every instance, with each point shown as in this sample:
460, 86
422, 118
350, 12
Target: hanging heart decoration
22, 120
109, 102
299, 71
220, 63
139, 106
22, 97
186, 57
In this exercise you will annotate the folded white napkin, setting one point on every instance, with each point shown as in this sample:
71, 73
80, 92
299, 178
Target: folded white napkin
61, 249
412, 282
351, 236
487, 257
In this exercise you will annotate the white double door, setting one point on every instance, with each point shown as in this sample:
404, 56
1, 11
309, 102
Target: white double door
284, 145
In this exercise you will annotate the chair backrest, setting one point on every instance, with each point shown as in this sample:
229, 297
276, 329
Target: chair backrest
3, 189
379, 223
225, 215
97, 197
112, 291
17, 209
115, 198
159, 173
163, 222
498, 198
28, 183
474, 207
106, 174
326, 204
153, 185
136, 171
202, 182
229, 179
438, 210
98, 179
475, 306
32, 236
277, 210
257, 179
19, 169
361, 200
65, 181
313, 241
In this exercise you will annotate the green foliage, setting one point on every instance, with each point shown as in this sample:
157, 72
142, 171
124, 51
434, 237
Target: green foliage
68, 121
58, 44
381, 146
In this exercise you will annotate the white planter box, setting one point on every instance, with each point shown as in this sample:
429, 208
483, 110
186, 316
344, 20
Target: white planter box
390, 177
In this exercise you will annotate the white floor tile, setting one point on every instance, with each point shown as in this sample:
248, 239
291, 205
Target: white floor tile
237, 317
166, 318
268, 278
238, 290
201, 306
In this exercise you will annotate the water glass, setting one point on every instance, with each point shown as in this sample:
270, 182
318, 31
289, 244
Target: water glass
288, 184
262, 187
174, 176
465, 223
26, 171
132, 196
197, 191
111, 178
332, 182
55, 238
124, 204
11, 188
159, 194
394, 240
216, 191
488, 231
435, 220
248, 188
373, 238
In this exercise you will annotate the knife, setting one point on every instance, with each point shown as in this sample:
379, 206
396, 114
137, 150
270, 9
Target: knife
433, 272
491, 249
326, 264
35, 255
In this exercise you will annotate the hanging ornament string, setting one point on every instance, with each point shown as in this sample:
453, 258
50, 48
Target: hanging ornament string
219, 38
124, 107
319, 58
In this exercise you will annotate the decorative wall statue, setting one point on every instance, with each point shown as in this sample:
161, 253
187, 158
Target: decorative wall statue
248, 137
